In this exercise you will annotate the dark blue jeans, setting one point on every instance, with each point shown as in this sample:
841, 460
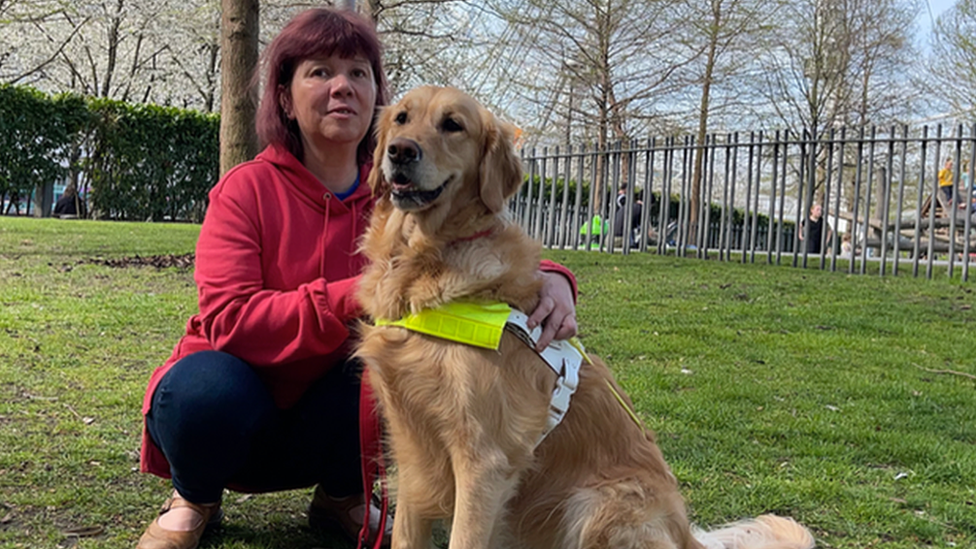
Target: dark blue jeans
216, 423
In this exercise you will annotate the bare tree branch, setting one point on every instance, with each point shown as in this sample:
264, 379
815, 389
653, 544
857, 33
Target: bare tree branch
58, 52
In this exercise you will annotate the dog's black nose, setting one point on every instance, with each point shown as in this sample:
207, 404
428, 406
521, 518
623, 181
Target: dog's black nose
403, 151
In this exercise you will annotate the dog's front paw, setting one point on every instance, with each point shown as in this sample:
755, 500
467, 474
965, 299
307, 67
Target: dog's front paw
419, 304
383, 300
425, 293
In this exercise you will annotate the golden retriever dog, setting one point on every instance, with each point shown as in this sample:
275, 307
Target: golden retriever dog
464, 422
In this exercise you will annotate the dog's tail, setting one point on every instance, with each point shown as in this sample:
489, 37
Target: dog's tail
762, 532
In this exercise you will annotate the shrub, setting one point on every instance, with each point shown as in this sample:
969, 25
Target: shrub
138, 162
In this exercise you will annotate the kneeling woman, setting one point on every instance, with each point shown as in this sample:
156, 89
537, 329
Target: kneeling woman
260, 394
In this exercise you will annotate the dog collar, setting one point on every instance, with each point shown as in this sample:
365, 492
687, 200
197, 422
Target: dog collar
475, 236
481, 324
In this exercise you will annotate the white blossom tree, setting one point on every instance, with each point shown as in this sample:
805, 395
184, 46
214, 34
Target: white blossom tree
953, 72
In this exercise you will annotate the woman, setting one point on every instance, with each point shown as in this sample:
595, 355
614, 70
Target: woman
260, 394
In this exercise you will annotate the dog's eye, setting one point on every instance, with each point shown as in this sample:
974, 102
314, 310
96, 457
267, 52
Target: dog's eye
450, 125
401, 118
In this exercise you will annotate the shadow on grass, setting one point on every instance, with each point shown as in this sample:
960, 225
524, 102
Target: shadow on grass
276, 535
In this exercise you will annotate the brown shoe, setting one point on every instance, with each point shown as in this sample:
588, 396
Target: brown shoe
156, 537
345, 515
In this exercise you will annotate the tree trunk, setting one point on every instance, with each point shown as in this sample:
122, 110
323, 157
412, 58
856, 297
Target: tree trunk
239, 57
697, 177
605, 82
213, 54
43, 199
113, 49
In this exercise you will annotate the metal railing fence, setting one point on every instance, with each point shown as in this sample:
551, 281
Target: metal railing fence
879, 190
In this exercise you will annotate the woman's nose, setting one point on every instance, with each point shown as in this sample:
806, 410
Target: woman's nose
341, 84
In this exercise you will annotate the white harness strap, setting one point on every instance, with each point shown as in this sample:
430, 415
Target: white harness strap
562, 356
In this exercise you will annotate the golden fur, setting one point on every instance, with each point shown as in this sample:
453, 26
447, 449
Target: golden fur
463, 422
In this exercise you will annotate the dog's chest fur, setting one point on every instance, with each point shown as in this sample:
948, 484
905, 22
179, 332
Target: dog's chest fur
411, 270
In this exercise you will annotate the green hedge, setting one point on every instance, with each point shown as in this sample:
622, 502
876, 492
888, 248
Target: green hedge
37, 132
137, 162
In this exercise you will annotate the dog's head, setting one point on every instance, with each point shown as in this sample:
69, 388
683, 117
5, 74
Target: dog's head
438, 145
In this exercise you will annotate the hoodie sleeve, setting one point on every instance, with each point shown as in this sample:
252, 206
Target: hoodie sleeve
239, 315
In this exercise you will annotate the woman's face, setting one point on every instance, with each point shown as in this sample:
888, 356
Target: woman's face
332, 99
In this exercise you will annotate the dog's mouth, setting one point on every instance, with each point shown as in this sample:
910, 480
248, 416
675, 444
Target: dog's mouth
407, 196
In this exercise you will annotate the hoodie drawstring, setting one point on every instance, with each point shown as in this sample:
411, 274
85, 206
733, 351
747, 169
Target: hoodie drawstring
354, 236
325, 231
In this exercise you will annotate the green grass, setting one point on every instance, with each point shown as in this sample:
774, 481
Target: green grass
772, 389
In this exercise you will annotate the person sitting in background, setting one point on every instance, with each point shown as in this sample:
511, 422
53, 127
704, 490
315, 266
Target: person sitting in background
945, 180
964, 177
70, 205
620, 217
965, 189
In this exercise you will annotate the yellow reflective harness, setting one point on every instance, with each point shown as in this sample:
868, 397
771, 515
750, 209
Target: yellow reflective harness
481, 324
471, 323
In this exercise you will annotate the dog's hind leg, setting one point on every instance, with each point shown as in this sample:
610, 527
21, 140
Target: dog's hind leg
625, 515
484, 483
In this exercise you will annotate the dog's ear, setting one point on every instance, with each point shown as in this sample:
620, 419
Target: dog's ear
501, 169
375, 180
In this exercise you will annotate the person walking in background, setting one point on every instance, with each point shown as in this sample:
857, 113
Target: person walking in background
812, 229
261, 394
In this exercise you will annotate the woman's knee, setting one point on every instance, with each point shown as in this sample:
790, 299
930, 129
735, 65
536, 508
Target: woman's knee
208, 387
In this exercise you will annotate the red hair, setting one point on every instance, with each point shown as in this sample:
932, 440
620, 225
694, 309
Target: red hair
312, 33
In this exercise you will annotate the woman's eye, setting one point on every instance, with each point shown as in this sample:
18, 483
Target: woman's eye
401, 118
452, 126
359, 73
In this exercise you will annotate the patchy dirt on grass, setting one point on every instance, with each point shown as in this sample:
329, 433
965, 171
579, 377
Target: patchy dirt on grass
185, 261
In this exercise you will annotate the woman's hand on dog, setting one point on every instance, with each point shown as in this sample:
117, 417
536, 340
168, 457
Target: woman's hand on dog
556, 310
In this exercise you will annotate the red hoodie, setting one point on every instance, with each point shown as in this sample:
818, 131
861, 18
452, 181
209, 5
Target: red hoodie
276, 271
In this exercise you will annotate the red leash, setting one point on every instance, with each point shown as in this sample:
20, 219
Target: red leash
371, 447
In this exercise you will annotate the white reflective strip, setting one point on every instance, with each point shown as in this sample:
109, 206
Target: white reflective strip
562, 357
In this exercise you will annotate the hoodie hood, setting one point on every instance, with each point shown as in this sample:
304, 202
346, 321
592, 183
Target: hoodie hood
308, 186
